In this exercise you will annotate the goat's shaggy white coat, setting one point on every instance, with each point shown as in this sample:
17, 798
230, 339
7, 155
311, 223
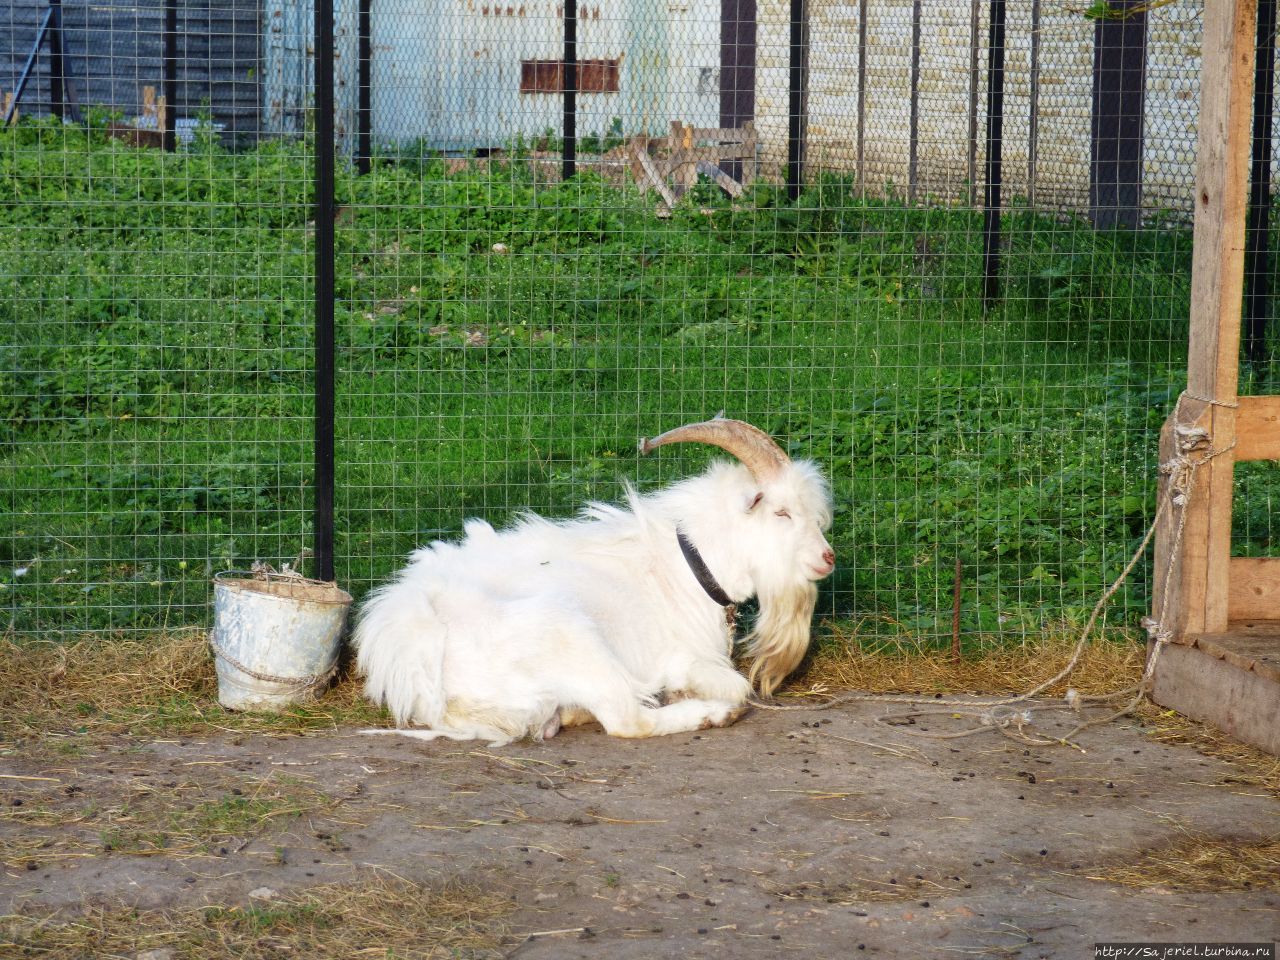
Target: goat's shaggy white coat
510, 634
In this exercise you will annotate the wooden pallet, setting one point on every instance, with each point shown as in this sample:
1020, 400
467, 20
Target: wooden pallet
671, 165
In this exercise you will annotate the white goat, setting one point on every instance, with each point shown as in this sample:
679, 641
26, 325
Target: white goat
516, 633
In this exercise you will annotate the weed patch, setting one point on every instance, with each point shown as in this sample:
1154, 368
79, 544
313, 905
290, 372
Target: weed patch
376, 916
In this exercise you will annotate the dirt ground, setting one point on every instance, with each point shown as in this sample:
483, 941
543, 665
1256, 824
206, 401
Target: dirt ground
809, 833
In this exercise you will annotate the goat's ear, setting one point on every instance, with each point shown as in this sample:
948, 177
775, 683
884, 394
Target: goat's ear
755, 501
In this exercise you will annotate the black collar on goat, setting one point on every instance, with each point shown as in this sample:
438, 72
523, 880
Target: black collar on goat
706, 579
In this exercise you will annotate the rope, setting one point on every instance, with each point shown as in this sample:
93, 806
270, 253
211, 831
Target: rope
1194, 448
314, 680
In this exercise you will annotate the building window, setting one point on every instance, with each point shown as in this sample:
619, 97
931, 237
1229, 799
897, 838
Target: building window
547, 76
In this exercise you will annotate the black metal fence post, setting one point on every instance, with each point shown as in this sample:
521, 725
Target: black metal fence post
364, 105
324, 269
861, 147
169, 69
569, 162
1257, 274
913, 107
994, 173
796, 101
57, 62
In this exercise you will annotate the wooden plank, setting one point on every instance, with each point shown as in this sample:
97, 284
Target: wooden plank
1249, 645
638, 146
1254, 588
1217, 277
750, 155
682, 135
708, 154
726, 182
677, 158
646, 164
1166, 594
680, 164
723, 134
1258, 429
1244, 704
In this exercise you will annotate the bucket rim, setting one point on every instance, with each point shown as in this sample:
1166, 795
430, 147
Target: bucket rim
242, 578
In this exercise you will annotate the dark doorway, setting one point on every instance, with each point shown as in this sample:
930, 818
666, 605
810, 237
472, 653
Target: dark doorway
737, 62
1119, 65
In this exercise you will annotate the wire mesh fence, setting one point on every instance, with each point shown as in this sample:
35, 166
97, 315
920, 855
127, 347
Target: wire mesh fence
563, 226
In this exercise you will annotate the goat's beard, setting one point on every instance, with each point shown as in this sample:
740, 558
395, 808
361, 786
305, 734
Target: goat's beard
780, 637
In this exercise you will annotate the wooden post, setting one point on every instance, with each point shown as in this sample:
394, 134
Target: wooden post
1199, 601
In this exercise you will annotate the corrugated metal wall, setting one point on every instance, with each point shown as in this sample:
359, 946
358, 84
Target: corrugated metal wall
447, 72
114, 51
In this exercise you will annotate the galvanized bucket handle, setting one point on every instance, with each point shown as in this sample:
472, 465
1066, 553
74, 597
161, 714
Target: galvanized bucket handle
311, 681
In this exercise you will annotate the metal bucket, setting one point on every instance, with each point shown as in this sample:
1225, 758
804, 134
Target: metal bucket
275, 638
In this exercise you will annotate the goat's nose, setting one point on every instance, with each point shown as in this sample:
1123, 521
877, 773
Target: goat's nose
830, 557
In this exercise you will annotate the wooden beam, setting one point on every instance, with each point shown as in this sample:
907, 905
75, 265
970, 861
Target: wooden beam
1251, 645
1258, 429
652, 176
1217, 282
726, 182
722, 134
1244, 704
1254, 592
1166, 593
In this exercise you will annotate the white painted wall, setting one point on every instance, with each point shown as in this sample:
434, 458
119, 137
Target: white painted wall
1060, 161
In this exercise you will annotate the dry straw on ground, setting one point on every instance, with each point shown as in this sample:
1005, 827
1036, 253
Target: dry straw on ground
1202, 865
849, 662
109, 687
376, 916
115, 686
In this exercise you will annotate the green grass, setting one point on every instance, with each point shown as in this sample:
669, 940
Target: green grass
155, 388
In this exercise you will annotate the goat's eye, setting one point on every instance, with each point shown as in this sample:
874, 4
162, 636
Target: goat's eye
782, 513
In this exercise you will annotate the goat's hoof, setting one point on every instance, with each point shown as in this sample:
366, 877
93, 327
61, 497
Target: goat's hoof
727, 717
550, 728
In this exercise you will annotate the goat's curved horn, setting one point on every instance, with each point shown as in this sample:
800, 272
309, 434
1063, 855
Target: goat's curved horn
755, 448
